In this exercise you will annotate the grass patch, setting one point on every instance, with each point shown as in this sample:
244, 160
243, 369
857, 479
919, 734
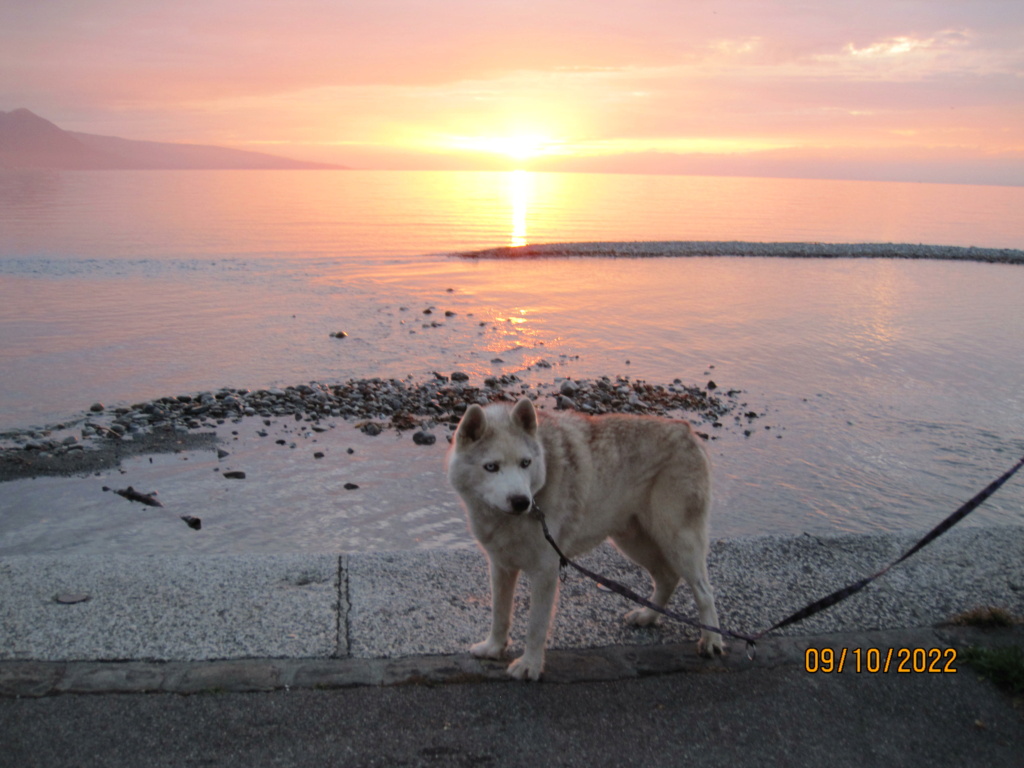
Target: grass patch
986, 617
1003, 666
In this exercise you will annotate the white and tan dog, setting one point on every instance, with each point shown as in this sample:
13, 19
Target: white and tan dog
642, 481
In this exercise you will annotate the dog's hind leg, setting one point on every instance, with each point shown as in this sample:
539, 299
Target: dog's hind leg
687, 560
679, 505
639, 547
691, 560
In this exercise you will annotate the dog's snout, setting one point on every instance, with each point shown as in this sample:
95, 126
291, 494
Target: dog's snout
519, 503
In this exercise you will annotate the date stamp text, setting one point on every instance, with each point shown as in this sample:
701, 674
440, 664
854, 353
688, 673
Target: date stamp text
880, 660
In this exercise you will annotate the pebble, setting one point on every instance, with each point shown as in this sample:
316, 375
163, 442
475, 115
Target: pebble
71, 598
424, 438
697, 248
377, 404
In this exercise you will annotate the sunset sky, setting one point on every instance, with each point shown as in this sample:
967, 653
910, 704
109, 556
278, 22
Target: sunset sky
929, 90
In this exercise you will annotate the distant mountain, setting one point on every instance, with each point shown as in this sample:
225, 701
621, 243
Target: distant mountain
29, 141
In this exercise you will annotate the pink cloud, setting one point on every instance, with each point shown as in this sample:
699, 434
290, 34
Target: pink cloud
392, 76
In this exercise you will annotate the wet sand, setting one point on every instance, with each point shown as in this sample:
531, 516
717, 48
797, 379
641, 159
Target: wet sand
100, 455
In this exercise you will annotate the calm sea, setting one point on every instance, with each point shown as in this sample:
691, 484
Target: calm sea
893, 388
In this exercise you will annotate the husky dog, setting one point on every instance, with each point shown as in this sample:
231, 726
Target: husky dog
642, 481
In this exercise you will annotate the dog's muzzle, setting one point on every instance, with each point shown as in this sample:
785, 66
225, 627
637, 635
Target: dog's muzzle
520, 504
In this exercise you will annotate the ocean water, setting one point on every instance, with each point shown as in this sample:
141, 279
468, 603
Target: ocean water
892, 389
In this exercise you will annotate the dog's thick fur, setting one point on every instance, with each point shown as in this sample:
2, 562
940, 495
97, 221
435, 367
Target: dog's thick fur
645, 482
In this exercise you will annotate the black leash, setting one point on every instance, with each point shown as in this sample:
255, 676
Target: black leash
934, 533
628, 593
819, 605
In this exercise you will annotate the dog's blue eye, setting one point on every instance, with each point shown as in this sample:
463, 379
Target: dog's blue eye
491, 466
524, 463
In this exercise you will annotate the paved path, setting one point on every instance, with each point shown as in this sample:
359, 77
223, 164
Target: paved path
360, 660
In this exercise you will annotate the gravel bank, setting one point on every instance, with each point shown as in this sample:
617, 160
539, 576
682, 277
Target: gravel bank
102, 436
788, 250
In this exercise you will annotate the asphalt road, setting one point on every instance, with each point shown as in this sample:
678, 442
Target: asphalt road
772, 714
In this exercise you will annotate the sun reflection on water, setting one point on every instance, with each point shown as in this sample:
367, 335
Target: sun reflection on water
520, 186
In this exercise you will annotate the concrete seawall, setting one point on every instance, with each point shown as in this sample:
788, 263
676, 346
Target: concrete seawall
399, 606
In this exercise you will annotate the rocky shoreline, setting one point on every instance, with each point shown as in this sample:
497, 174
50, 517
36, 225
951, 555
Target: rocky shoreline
777, 250
103, 436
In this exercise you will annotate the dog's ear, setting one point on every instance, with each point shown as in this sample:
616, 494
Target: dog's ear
471, 427
524, 415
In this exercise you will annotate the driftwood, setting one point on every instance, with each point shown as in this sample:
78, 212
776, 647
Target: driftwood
149, 499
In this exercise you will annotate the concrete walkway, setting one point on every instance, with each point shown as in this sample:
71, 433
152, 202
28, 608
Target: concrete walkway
327, 633
399, 605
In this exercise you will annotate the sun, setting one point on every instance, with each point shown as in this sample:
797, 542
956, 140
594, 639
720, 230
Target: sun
520, 147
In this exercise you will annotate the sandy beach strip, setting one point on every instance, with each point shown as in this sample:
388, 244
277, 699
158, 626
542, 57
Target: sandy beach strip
681, 249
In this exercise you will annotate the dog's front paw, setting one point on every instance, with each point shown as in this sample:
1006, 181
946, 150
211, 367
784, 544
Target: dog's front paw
527, 667
642, 617
490, 648
711, 645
